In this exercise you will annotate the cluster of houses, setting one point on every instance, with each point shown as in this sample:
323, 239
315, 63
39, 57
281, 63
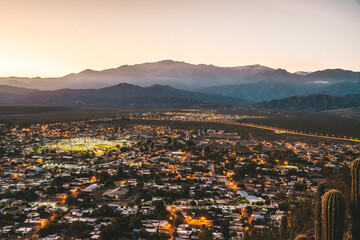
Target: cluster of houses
204, 177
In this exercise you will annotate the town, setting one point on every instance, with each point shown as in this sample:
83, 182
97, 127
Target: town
99, 179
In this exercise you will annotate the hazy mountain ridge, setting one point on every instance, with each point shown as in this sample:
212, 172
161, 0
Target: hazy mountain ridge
4, 89
318, 102
126, 95
176, 74
120, 96
334, 75
342, 88
279, 84
253, 83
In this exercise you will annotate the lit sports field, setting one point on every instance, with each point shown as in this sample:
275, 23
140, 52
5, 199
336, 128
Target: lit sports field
83, 145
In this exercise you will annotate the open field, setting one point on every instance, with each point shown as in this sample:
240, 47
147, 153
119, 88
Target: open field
244, 132
338, 123
320, 123
30, 114
348, 112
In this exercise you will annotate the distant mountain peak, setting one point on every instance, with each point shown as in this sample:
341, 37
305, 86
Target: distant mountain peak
336, 73
178, 74
88, 71
254, 66
169, 61
122, 86
281, 70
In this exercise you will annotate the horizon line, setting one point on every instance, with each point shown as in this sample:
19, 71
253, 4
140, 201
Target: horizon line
175, 61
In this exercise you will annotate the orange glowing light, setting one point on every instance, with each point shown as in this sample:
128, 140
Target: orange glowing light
43, 223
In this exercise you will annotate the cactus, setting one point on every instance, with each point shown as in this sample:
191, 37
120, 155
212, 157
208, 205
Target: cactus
302, 237
355, 198
317, 227
283, 228
333, 215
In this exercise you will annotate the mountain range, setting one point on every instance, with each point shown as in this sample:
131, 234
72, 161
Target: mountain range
119, 96
278, 84
178, 84
176, 74
318, 102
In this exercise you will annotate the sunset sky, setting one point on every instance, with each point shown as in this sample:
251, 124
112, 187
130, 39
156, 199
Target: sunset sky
54, 38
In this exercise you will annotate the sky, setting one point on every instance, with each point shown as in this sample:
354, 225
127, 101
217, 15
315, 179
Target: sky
54, 38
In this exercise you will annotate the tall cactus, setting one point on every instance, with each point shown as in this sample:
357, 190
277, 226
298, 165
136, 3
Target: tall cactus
317, 227
355, 198
283, 228
333, 215
302, 237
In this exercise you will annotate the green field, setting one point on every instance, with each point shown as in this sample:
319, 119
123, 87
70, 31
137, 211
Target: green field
83, 145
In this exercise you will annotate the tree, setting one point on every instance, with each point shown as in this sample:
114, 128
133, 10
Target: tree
284, 228
270, 233
135, 222
225, 228
103, 176
79, 229
138, 198
117, 229
179, 219
248, 211
185, 190
160, 209
71, 201
120, 173
205, 235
